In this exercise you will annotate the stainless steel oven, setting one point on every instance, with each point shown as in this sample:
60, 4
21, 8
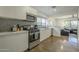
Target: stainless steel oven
34, 38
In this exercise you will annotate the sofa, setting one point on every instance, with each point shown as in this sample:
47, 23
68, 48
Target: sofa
65, 32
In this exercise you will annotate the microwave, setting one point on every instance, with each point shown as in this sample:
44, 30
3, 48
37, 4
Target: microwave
30, 17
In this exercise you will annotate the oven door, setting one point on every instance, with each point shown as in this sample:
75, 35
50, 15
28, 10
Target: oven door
31, 37
37, 35
34, 36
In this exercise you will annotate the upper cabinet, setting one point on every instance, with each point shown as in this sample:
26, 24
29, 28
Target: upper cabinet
16, 12
31, 10
12, 12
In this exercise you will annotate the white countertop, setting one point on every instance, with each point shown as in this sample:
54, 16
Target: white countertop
43, 29
8, 33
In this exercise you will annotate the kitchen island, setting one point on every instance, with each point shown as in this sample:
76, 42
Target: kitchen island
13, 41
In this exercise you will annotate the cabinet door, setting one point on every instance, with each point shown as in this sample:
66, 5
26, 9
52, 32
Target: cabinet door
14, 42
31, 10
20, 13
13, 12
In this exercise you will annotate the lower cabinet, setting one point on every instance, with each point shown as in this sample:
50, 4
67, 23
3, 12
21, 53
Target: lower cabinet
15, 42
44, 34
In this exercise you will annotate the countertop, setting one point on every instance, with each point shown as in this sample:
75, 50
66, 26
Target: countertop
43, 29
9, 33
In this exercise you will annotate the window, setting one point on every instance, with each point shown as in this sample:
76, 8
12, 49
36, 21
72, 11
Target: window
42, 22
67, 24
72, 24
47, 23
39, 21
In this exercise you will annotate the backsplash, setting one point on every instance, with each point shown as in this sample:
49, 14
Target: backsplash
6, 23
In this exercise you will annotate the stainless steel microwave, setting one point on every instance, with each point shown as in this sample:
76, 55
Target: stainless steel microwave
30, 17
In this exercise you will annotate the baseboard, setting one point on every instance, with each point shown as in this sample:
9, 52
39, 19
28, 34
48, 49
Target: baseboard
44, 39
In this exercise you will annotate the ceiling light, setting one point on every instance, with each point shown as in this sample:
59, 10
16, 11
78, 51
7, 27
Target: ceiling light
54, 8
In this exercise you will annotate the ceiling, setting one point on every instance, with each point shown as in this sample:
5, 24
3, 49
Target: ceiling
60, 10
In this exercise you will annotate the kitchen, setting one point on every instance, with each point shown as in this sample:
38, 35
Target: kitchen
23, 27
12, 38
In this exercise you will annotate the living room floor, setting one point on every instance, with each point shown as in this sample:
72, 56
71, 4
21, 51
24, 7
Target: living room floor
58, 44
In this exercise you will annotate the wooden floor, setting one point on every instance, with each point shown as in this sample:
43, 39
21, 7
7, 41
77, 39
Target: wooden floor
57, 44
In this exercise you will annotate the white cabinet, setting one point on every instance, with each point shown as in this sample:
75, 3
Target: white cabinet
44, 34
31, 10
20, 13
13, 42
56, 31
16, 12
12, 12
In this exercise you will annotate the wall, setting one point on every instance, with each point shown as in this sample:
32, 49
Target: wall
6, 23
55, 26
59, 24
